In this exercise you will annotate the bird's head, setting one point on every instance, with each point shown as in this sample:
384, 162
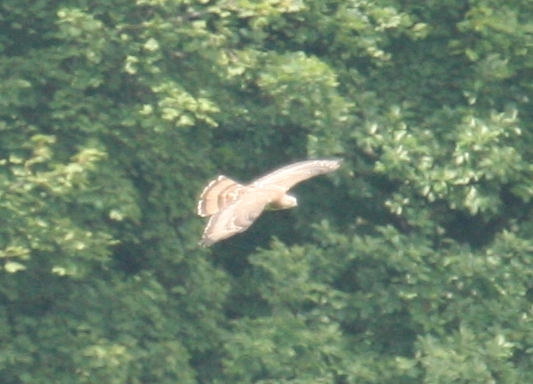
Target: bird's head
284, 202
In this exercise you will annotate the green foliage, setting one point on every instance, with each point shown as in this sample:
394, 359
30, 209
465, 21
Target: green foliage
411, 264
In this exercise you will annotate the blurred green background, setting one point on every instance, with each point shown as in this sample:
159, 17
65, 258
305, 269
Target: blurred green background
410, 264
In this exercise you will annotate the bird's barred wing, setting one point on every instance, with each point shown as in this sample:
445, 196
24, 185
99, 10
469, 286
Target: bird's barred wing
238, 216
293, 174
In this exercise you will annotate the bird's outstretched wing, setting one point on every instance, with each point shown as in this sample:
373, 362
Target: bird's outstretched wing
289, 176
238, 216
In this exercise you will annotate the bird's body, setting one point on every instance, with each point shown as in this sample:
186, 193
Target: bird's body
233, 207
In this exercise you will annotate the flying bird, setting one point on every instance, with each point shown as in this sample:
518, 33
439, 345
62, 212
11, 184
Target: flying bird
233, 207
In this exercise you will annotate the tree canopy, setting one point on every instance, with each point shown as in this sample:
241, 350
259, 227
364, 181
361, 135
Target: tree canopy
411, 264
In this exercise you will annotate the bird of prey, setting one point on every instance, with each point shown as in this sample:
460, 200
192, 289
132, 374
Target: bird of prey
233, 207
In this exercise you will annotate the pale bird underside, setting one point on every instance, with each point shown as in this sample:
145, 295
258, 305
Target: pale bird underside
233, 207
